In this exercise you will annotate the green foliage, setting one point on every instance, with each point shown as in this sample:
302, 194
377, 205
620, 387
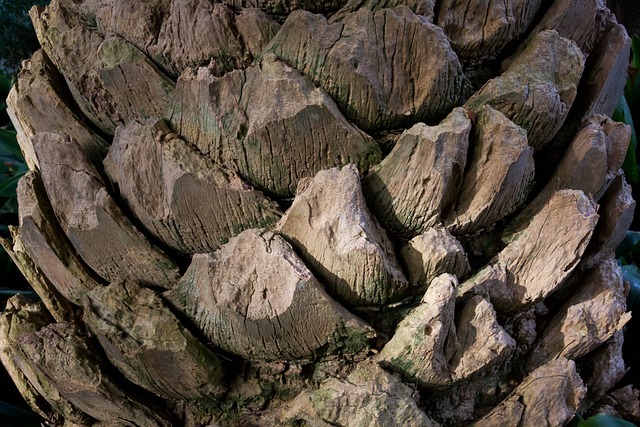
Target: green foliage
628, 111
600, 420
17, 38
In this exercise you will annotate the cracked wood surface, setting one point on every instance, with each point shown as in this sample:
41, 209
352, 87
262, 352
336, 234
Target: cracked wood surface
331, 228
164, 182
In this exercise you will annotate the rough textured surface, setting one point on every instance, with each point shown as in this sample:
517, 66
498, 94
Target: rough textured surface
385, 69
255, 298
538, 88
622, 403
23, 317
368, 397
550, 395
498, 177
269, 123
603, 368
46, 244
595, 311
479, 28
616, 214
60, 353
87, 214
283, 7
409, 190
419, 7
164, 181
109, 78
537, 260
38, 102
434, 349
431, 254
145, 341
331, 228
590, 164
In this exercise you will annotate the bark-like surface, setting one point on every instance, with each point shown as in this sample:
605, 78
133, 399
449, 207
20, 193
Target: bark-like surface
145, 341
255, 298
538, 259
39, 103
88, 214
603, 368
419, 7
538, 88
384, 69
164, 181
269, 123
431, 254
623, 403
498, 177
479, 28
550, 395
595, 311
284, 7
369, 396
436, 346
409, 190
331, 228
590, 164
75, 369
110, 79
24, 317
47, 245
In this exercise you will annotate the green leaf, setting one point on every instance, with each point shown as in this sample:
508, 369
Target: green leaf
630, 244
9, 185
635, 50
18, 417
9, 143
604, 420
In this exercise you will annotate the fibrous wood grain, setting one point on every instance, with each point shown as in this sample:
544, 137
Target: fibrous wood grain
431, 254
437, 347
595, 311
110, 79
255, 298
145, 341
538, 259
385, 69
38, 103
268, 123
419, 7
498, 177
603, 368
550, 395
180, 196
284, 7
47, 245
24, 317
589, 164
368, 397
87, 214
538, 88
479, 28
409, 190
331, 228
75, 369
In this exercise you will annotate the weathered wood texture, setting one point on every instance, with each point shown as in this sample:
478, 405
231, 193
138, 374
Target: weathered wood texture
499, 174
150, 346
268, 123
539, 87
538, 259
88, 214
420, 178
369, 396
385, 69
110, 79
478, 28
255, 298
63, 356
47, 245
331, 228
419, 7
431, 254
549, 395
38, 102
181, 197
436, 346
